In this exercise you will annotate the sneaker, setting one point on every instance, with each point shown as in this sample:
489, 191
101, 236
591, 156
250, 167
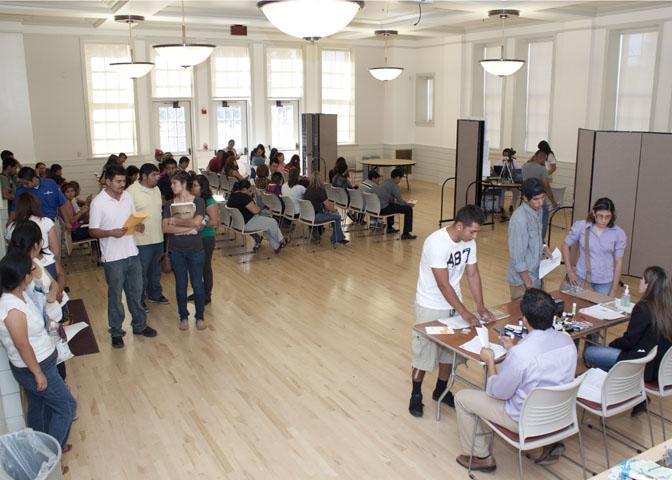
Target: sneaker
147, 332
637, 409
117, 342
282, 245
448, 399
485, 465
408, 236
190, 298
344, 241
208, 301
161, 300
415, 407
392, 230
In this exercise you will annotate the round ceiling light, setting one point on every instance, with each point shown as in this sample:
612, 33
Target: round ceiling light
131, 69
184, 54
386, 73
310, 19
502, 67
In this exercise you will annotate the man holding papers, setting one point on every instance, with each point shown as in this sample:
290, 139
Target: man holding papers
109, 212
543, 358
446, 254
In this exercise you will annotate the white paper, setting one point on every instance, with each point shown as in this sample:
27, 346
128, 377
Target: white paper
483, 337
74, 329
474, 346
456, 322
548, 265
219, 198
601, 313
616, 305
65, 299
591, 387
439, 330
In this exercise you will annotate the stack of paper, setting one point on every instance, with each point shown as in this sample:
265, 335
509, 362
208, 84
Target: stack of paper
591, 387
439, 330
601, 313
456, 322
74, 329
481, 340
548, 265
616, 305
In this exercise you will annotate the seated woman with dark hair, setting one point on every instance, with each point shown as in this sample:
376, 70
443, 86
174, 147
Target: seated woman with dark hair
261, 180
231, 168
275, 186
241, 199
324, 208
292, 190
132, 174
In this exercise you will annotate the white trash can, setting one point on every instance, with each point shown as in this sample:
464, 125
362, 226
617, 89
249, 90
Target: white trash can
29, 455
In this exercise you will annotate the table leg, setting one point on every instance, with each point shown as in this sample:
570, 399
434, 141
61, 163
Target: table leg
449, 385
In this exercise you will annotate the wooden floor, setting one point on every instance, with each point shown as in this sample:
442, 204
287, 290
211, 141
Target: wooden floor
302, 373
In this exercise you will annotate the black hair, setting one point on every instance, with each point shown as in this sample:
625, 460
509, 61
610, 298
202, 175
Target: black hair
113, 170
27, 173
531, 188
184, 159
147, 168
538, 308
206, 193
182, 177
9, 162
470, 214
169, 161
24, 237
373, 174
130, 171
274, 160
241, 185
603, 203
6, 154
54, 167
396, 173
13, 270
544, 147
37, 165
277, 178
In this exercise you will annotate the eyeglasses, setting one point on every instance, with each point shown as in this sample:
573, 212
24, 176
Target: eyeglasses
606, 216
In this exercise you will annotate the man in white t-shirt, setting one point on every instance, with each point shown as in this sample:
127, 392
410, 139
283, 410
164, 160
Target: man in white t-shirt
119, 254
446, 254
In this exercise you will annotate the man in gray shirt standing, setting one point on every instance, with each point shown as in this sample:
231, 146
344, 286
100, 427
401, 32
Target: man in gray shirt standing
536, 168
526, 244
391, 201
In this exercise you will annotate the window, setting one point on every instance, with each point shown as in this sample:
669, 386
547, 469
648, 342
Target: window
174, 126
538, 95
338, 91
169, 81
492, 100
230, 68
231, 123
634, 88
424, 99
111, 101
284, 72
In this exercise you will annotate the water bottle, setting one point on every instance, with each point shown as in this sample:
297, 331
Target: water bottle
625, 299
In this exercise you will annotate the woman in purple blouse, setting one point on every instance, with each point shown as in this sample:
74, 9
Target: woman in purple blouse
606, 243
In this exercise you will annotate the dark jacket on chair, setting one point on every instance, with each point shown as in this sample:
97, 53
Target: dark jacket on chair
638, 340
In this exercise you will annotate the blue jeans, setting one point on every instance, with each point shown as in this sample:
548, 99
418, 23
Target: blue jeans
209, 248
603, 288
188, 264
52, 410
337, 232
126, 275
545, 210
601, 357
151, 269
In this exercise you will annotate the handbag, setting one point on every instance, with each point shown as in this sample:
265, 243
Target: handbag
166, 267
566, 285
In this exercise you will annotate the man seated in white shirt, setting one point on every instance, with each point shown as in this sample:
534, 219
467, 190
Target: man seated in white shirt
544, 358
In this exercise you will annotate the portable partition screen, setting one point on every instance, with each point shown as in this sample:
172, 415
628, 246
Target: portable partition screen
634, 170
318, 142
468, 163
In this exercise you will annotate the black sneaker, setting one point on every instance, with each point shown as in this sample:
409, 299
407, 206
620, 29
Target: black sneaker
344, 242
415, 407
637, 409
161, 300
117, 342
208, 301
190, 298
392, 230
147, 332
408, 236
448, 399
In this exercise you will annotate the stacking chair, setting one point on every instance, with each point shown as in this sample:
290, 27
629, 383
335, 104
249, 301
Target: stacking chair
232, 181
307, 217
290, 215
69, 244
330, 192
213, 178
225, 186
238, 226
372, 209
559, 195
548, 416
623, 388
662, 387
357, 205
273, 203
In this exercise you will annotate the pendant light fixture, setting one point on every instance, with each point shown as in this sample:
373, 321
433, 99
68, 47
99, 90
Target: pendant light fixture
310, 19
184, 54
385, 73
131, 69
502, 67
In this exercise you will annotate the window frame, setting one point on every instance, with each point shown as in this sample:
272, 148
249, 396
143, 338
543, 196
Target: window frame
525, 92
427, 122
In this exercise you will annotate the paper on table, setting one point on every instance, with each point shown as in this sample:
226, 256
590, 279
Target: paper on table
135, 219
591, 387
548, 265
474, 346
439, 330
456, 322
601, 313
74, 329
483, 337
616, 305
